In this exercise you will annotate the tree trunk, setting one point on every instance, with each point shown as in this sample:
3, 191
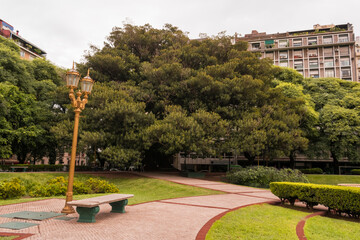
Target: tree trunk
292, 159
250, 158
335, 163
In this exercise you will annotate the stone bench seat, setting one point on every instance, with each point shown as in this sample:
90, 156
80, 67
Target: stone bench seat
88, 208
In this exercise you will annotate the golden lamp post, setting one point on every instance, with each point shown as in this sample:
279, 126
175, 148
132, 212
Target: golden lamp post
72, 81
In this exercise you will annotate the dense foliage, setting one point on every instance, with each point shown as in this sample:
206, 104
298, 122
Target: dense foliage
312, 171
158, 93
337, 198
16, 188
263, 176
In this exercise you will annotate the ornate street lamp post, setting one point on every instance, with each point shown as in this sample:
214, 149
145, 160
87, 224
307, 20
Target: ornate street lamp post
72, 81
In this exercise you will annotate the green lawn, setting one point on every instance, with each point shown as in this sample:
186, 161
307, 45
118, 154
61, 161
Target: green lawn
144, 189
257, 222
331, 229
277, 223
333, 179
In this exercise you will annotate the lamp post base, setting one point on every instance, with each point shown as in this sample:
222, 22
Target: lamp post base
68, 209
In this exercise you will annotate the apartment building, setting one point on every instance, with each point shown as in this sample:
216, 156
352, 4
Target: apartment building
324, 51
28, 50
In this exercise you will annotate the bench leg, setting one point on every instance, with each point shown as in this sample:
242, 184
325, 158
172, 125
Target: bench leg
119, 207
87, 214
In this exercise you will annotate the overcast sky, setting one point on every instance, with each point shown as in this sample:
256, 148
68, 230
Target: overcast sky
65, 29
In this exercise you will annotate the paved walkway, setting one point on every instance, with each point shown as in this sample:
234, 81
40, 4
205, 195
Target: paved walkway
172, 219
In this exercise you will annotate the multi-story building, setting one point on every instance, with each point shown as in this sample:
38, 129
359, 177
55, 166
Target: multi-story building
357, 53
28, 50
324, 51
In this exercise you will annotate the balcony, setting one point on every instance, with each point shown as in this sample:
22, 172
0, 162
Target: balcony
298, 67
298, 56
313, 55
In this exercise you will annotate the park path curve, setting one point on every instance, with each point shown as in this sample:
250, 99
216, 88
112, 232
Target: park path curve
171, 219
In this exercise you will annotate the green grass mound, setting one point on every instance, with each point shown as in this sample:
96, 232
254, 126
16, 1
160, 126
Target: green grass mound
257, 222
331, 229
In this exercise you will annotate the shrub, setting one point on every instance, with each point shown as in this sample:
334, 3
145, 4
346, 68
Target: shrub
101, 186
263, 176
355, 171
58, 187
338, 198
53, 187
11, 189
312, 171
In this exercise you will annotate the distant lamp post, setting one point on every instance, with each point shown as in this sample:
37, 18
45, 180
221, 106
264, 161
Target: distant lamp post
72, 81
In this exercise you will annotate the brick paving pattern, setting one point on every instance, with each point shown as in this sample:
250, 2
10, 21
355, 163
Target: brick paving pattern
172, 219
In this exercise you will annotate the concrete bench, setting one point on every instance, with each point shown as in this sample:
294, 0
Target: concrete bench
88, 208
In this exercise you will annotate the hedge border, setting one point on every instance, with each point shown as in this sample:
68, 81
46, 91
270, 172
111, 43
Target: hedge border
337, 198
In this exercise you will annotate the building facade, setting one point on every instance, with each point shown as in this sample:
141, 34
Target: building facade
28, 50
324, 51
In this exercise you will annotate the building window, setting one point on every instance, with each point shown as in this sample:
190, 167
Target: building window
343, 38
298, 64
329, 73
327, 39
283, 64
313, 63
345, 73
270, 55
313, 52
314, 73
255, 46
344, 61
328, 52
344, 51
297, 42
269, 43
283, 55
312, 40
298, 54
329, 62
283, 43
22, 53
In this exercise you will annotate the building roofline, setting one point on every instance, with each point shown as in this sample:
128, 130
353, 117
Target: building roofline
28, 42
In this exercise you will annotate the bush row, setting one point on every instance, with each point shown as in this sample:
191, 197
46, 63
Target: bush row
45, 167
15, 188
337, 198
312, 171
263, 176
355, 171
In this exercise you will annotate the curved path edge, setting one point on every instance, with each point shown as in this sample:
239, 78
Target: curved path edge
205, 229
300, 226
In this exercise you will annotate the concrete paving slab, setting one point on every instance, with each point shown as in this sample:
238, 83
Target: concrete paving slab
267, 194
228, 201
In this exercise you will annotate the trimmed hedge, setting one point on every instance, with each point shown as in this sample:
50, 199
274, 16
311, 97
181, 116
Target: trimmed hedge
338, 198
312, 171
355, 171
45, 167
263, 176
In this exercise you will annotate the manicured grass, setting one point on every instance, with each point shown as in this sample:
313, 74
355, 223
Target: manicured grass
257, 222
8, 237
144, 189
333, 179
331, 229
